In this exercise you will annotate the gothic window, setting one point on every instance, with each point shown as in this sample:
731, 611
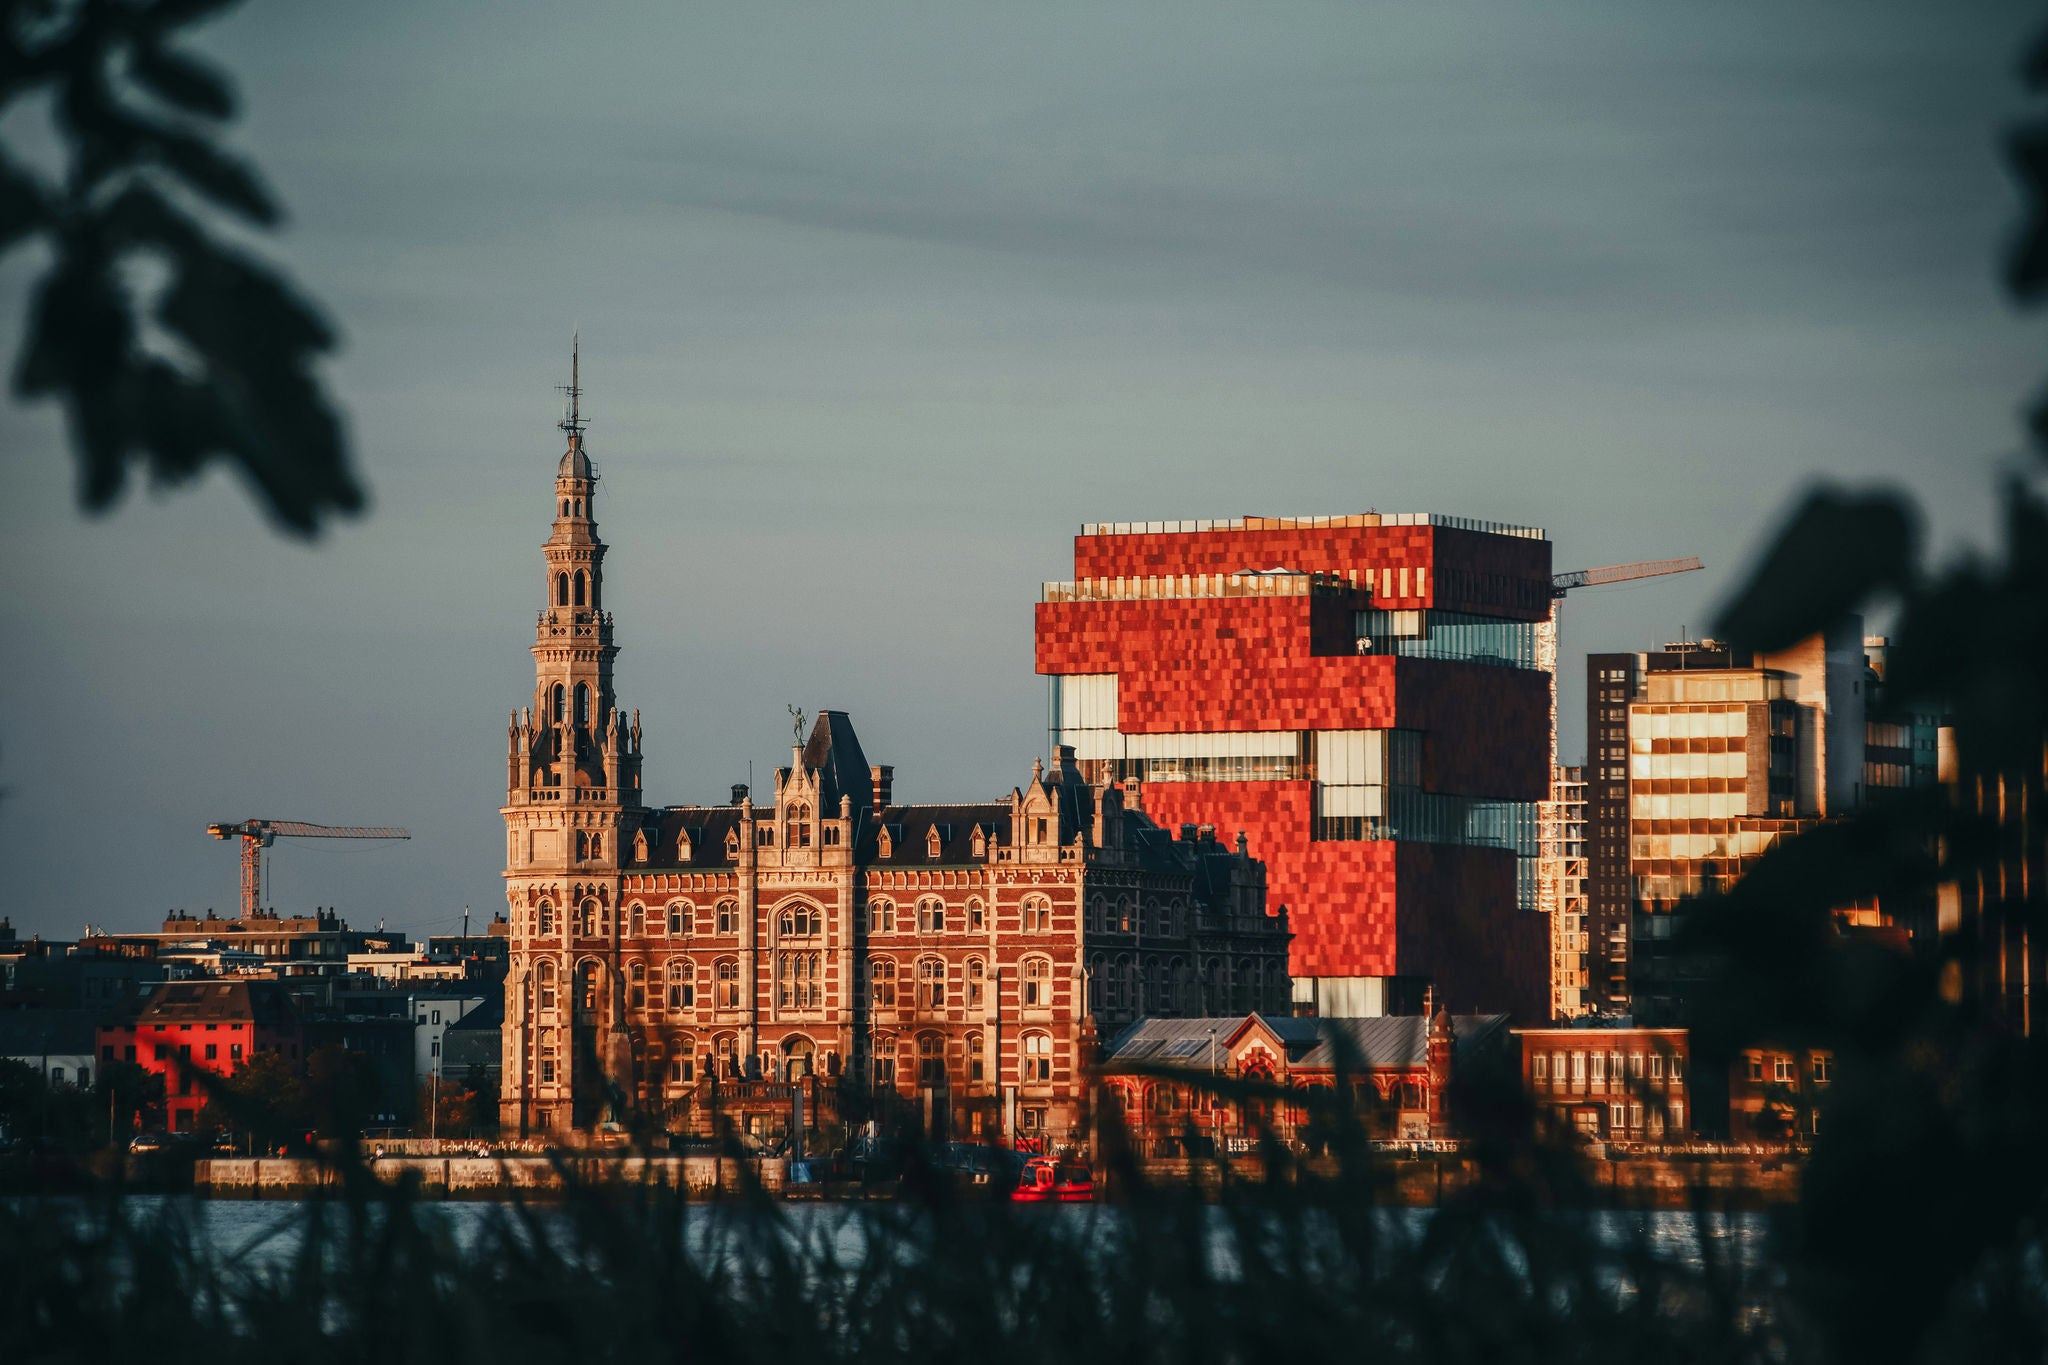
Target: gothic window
1126, 914
583, 703
1096, 972
977, 917
586, 987
1037, 982
546, 914
561, 594
881, 917
764, 836
1176, 920
882, 982
977, 1064
544, 978
802, 922
1037, 915
579, 587
638, 922
682, 1060
728, 917
586, 918
885, 1060
636, 977
1096, 906
728, 974
931, 916
976, 975
597, 845
1120, 985
682, 918
931, 1060
1037, 1057
1155, 994
931, 983
1246, 994
547, 1056
799, 827
682, 984
796, 979
559, 697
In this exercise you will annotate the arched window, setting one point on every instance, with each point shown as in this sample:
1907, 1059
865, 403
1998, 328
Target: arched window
1096, 907
882, 982
1246, 994
1120, 984
579, 587
977, 1063
1177, 987
797, 981
546, 914
547, 1056
1176, 920
682, 918
976, 980
802, 922
728, 991
637, 922
561, 590
636, 985
682, 1060
565, 507
1098, 984
931, 1060
931, 916
682, 983
544, 979
586, 987
977, 917
799, 835
1126, 915
726, 1047
1037, 1057
586, 918
728, 917
931, 983
559, 698
884, 1060
1037, 982
583, 703
1037, 915
881, 916
1155, 991
800, 1057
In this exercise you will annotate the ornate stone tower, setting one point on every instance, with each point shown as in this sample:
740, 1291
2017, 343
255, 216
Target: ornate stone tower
572, 795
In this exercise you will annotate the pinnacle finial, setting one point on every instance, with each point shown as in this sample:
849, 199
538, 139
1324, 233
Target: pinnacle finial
572, 420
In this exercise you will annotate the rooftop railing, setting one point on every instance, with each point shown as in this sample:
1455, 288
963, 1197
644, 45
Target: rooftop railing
1160, 587
1174, 528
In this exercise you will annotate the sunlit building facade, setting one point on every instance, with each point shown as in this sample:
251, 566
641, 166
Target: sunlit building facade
1360, 696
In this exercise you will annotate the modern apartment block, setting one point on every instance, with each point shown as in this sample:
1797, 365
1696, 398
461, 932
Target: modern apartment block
1359, 696
1561, 892
1700, 758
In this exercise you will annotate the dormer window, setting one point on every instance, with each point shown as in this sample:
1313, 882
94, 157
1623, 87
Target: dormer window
978, 841
885, 841
933, 843
732, 843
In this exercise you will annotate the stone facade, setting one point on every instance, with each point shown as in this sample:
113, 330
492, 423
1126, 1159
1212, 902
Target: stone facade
947, 964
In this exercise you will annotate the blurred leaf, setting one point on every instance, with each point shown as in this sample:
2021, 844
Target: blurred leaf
184, 81
214, 174
1837, 551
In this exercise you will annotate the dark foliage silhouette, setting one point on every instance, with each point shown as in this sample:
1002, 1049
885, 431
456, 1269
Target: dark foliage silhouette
167, 347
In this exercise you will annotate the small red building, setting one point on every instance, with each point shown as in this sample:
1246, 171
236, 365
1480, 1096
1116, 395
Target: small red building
214, 1026
1611, 1084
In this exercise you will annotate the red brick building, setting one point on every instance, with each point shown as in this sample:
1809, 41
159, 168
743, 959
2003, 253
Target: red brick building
1612, 1084
949, 962
1360, 696
1398, 1066
213, 1026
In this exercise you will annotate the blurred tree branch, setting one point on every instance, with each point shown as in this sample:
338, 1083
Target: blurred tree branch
166, 347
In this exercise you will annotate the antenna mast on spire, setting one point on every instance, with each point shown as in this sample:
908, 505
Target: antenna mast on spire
572, 420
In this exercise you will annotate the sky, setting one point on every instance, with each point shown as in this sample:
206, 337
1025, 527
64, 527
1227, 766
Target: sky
880, 302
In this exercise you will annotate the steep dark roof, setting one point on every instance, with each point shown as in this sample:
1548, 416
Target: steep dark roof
708, 826
1395, 1042
834, 751
910, 830
264, 1002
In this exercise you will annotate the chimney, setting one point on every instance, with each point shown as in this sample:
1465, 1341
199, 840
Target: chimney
1187, 834
739, 792
1207, 834
885, 784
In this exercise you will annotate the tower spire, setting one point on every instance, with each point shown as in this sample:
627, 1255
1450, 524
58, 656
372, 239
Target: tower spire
572, 420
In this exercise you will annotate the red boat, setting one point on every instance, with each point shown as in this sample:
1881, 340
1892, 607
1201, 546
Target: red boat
1046, 1181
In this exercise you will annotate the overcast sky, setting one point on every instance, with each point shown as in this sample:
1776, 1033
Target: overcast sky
880, 302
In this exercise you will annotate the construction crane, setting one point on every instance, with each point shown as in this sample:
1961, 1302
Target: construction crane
257, 835
1560, 584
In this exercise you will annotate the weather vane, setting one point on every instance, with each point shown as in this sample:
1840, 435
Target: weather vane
799, 726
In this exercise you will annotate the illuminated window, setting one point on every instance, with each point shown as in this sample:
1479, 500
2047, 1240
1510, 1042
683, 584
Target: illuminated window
1037, 1057
882, 982
1037, 982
